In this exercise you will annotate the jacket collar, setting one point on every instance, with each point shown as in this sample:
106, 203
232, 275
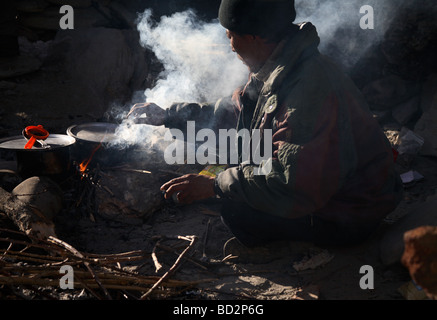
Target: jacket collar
287, 55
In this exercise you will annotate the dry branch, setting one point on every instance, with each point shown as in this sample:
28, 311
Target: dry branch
192, 240
95, 273
28, 219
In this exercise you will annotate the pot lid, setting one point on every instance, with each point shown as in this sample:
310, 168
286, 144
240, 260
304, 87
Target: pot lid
53, 141
94, 132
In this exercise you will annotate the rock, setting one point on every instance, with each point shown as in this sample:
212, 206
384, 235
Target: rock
28, 218
118, 11
128, 195
382, 116
73, 3
105, 65
409, 142
388, 92
429, 93
392, 242
49, 19
41, 193
426, 127
393, 137
9, 177
409, 41
406, 111
11, 67
420, 258
31, 6
314, 261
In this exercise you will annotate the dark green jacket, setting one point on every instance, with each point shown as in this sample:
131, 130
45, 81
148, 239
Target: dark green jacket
330, 157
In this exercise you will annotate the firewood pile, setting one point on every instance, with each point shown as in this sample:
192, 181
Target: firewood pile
32, 254
30, 269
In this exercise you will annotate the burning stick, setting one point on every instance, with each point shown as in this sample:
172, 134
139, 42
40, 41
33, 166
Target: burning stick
84, 164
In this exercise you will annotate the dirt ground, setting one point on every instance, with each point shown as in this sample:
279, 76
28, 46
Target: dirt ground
280, 271
332, 273
336, 274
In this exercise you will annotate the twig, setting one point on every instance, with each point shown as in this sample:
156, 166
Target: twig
205, 240
87, 265
7, 250
192, 240
158, 266
136, 171
166, 248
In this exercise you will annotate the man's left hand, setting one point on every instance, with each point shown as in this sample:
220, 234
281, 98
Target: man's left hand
190, 188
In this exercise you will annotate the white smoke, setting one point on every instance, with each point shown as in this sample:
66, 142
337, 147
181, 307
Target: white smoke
338, 25
198, 65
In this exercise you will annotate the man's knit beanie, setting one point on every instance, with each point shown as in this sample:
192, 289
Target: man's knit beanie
256, 17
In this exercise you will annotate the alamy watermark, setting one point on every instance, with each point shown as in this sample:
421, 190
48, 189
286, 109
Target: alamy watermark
230, 147
367, 281
67, 280
367, 21
67, 20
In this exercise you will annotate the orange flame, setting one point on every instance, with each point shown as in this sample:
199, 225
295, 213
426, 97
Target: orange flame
84, 164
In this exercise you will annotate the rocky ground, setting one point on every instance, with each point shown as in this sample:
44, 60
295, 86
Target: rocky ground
76, 79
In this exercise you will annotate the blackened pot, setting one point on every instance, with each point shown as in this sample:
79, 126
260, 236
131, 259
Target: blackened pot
53, 160
97, 142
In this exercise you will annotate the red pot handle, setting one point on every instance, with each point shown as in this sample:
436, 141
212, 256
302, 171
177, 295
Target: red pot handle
35, 133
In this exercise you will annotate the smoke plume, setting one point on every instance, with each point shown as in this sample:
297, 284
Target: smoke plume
338, 24
197, 58
198, 64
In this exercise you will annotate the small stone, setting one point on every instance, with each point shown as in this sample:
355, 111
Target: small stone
41, 193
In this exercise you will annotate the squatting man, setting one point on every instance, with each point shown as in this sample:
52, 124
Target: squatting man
332, 178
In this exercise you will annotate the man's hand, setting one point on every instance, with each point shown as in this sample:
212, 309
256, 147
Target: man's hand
190, 188
155, 115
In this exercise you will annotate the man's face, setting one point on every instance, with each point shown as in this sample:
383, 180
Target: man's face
247, 49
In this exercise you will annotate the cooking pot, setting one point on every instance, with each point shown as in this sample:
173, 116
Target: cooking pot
53, 158
99, 142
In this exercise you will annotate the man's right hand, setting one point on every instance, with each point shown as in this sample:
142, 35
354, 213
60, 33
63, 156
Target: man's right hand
155, 115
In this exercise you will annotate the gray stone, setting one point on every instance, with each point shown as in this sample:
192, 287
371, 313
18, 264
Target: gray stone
41, 193
404, 112
426, 127
392, 243
429, 93
388, 92
104, 64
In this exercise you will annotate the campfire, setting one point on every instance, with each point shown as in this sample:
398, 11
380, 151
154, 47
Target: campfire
84, 164
97, 191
